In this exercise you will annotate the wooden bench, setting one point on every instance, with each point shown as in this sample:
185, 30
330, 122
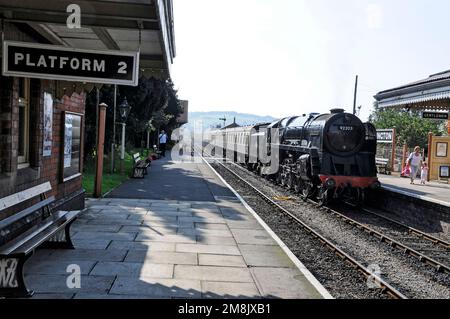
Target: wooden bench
383, 166
140, 167
25, 231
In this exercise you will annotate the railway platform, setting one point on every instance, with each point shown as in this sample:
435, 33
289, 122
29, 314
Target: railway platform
179, 233
437, 193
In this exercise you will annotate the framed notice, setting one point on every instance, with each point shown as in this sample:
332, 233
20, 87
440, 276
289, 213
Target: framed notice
71, 150
441, 149
48, 125
444, 171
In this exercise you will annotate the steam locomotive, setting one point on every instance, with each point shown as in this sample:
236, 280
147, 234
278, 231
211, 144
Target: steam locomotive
324, 156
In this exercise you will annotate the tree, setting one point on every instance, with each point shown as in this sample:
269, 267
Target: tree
154, 104
411, 129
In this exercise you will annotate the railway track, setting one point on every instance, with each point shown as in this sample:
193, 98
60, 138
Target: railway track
426, 248
366, 272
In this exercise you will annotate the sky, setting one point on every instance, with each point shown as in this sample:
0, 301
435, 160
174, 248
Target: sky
289, 57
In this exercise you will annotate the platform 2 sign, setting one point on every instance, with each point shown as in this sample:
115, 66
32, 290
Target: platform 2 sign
42, 61
435, 115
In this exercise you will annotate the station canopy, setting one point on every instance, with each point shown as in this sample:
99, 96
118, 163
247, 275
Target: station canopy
432, 93
127, 25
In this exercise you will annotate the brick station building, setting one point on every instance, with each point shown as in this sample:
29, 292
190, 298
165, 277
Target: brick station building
36, 112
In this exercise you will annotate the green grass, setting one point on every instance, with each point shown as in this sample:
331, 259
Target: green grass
110, 181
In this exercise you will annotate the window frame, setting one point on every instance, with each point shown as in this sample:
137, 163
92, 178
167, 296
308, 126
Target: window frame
23, 161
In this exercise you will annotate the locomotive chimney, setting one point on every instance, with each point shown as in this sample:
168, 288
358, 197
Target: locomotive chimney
337, 111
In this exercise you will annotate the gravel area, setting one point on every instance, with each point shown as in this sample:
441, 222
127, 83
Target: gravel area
336, 275
407, 274
399, 233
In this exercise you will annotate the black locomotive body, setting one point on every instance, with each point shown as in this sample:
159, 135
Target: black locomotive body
327, 156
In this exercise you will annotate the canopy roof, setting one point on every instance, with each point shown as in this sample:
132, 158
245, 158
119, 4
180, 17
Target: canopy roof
126, 25
432, 93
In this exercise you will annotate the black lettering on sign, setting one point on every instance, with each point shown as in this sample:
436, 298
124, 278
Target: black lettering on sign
8, 273
61, 63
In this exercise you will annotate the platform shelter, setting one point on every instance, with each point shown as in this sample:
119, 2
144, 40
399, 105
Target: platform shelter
430, 96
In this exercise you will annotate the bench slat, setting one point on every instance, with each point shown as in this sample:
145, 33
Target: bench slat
22, 196
38, 234
28, 211
58, 225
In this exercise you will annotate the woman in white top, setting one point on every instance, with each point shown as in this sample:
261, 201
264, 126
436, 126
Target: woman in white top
415, 162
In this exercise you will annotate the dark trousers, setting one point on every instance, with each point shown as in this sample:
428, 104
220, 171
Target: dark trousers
162, 147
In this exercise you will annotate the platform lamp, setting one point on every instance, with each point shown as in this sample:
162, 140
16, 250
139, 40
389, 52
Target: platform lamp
124, 111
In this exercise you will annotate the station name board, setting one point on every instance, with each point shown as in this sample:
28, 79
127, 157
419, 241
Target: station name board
385, 136
42, 61
435, 115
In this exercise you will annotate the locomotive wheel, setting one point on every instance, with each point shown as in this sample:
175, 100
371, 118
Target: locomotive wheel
307, 191
360, 197
289, 181
297, 185
323, 196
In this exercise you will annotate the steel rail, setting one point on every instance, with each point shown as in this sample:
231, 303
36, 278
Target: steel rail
412, 230
386, 287
387, 239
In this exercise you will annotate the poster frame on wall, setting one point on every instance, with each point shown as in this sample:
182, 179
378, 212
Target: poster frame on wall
66, 154
47, 143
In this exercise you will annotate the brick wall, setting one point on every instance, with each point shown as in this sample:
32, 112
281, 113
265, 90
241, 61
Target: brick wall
52, 165
41, 168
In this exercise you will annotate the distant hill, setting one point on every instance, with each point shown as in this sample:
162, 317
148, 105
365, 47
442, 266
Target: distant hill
211, 119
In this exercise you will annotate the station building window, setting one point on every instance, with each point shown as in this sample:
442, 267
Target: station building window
24, 123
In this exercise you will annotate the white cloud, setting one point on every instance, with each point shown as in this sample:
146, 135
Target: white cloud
374, 16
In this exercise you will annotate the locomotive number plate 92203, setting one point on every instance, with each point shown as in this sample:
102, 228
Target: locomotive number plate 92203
345, 128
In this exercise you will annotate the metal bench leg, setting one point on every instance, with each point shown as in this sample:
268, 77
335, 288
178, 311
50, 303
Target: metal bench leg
12, 284
62, 240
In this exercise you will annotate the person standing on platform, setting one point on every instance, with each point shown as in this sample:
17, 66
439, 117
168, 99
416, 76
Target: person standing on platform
415, 162
424, 173
162, 143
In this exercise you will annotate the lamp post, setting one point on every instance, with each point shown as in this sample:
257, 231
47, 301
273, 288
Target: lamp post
124, 109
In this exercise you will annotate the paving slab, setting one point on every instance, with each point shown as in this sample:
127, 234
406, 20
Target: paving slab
91, 296
243, 225
213, 240
83, 254
109, 221
286, 283
146, 246
137, 270
42, 267
104, 235
52, 296
157, 287
96, 228
58, 284
221, 260
212, 273
205, 232
165, 238
211, 220
233, 290
208, 249
91, 243
252, 236
265, 256
162, 257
